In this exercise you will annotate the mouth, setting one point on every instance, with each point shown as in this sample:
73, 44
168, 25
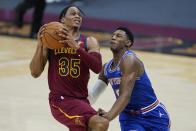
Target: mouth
112, 42
76, 21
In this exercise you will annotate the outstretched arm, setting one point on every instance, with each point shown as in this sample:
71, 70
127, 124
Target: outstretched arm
129, 68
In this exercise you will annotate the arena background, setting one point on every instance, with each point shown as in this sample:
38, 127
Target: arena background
165, 39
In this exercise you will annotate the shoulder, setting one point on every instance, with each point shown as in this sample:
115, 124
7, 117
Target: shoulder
91, 39
130, 62
92, 44
131, 57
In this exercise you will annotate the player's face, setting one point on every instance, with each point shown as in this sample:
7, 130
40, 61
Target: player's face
74, 17
118, 41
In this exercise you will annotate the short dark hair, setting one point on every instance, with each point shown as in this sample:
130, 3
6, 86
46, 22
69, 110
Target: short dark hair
128, 33
64, 11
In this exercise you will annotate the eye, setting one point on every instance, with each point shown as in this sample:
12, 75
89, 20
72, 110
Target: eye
113, 35
79, 14
119, 35
73, 13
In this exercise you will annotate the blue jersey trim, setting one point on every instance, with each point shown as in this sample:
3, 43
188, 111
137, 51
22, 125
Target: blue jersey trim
85, 43
79, 38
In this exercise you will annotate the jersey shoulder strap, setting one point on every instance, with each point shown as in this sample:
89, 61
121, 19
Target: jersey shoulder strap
125, 54
83, 38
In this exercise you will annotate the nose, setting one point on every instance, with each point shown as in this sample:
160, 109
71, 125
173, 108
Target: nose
77, 16
113, 37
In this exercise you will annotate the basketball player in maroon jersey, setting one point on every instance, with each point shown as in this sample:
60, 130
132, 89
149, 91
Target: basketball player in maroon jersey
68, 74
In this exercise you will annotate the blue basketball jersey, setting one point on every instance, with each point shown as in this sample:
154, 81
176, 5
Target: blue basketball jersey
143, 112
142, 94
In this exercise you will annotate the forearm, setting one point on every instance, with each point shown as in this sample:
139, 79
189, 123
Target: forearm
125, 91
38, 62
118, 106
92, 60
95, 92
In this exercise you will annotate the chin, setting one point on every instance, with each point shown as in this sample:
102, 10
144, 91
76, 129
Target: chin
112, 49
76, 26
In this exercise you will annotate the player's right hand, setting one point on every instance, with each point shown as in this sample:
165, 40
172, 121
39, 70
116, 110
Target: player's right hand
101, 112
40, 35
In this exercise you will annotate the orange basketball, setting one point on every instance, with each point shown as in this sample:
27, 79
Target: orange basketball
50, 38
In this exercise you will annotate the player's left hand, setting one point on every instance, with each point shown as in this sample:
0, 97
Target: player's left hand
72, 43
68, 38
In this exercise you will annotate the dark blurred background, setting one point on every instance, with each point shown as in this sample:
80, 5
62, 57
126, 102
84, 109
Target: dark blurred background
163, 26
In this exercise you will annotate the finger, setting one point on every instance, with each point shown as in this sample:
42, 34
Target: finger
100, 109
41, 30
63, 41
61, 35
65, 28
64, 31
41, 36
40, 43
43, 27
100, 113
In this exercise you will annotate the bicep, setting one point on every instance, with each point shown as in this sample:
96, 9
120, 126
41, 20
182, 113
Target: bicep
129, 68
92, 45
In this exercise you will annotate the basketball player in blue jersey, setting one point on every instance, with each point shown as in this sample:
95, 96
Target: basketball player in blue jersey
137, 105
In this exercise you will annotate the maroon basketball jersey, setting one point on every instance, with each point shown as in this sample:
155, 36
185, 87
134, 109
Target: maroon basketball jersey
67, 73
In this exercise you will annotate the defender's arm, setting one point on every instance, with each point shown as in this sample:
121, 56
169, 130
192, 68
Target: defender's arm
129, 68
98, 88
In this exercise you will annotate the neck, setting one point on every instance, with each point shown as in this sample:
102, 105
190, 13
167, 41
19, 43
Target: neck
117, 56
74, 32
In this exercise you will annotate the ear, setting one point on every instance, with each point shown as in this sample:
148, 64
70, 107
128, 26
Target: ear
62, 20
128, 43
